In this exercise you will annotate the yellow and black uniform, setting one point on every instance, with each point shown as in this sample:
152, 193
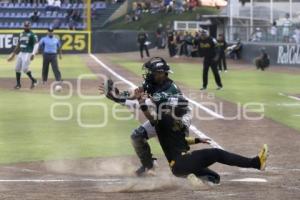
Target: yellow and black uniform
222, 59
208, 49
171, 44
142, 39
183, 162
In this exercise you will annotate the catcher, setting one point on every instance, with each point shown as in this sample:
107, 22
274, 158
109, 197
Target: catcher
27, 46
146, 131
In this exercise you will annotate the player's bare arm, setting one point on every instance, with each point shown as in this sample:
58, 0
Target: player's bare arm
35, 50
14, 53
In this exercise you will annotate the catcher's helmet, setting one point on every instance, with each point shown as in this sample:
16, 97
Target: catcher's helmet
157, 64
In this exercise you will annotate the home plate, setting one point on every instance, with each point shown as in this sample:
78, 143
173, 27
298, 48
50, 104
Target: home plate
251, 180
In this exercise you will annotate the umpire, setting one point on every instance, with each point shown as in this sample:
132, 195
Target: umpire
51, 47
208, 49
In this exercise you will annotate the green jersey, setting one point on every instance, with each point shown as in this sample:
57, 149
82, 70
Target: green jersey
27, 41
169, 90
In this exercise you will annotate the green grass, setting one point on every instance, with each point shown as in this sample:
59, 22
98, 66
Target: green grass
150, 22
71, 67
28, 133
242, 86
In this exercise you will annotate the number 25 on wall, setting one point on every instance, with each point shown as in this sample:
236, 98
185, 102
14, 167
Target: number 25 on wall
73, 42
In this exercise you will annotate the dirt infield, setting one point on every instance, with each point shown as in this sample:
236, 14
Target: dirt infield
112, 178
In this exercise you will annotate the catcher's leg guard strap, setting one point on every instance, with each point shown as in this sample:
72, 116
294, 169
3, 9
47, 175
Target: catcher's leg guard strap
141, 146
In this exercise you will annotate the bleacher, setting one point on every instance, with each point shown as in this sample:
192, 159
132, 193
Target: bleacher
12, 15
102, 15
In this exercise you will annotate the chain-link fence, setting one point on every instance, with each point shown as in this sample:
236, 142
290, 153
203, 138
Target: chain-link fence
264, 33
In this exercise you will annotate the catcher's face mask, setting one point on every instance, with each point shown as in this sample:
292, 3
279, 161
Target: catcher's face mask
147, 74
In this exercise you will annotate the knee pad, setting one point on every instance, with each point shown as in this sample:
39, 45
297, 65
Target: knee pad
139, 135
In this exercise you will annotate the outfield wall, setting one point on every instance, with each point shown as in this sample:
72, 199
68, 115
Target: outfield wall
117, 41
280, 54
72, 41
81, 41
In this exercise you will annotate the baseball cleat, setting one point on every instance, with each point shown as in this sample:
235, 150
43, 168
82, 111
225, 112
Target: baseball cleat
17, 87
202, 89
263, 155
33, 84
210, 180
195, 182
145, 171
219, 88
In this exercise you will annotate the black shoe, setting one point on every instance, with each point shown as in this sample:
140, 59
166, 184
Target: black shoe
33, 84
202, 89
144, 171
211, 180
17, 87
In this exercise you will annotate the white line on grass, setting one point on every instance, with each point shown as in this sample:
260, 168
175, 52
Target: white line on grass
193, 128
207, 110
289, 96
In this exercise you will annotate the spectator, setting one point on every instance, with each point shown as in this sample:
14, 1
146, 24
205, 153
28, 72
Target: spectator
35, 16
274, 32
74, 19
236, 50
297, 35
128, 19
256, 35
287, 24
57, 4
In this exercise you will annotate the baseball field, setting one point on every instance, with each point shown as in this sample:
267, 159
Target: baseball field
73, 145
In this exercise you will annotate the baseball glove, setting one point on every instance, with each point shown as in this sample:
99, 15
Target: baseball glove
112, 92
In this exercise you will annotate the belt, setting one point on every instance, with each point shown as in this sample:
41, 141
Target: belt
50, 53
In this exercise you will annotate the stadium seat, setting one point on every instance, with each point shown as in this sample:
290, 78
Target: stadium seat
80, 6
18, 25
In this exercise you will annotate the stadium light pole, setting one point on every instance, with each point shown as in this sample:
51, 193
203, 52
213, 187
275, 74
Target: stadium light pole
291, 9
88, 15
251, 17
231, 19
271, 11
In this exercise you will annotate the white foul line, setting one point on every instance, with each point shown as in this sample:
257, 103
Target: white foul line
212, 113
193, 128
289, 96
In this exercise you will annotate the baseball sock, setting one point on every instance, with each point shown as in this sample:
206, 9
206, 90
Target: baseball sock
18, 78
30, 76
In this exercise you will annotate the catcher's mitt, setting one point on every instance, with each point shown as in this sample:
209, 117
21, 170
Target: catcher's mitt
113, 93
